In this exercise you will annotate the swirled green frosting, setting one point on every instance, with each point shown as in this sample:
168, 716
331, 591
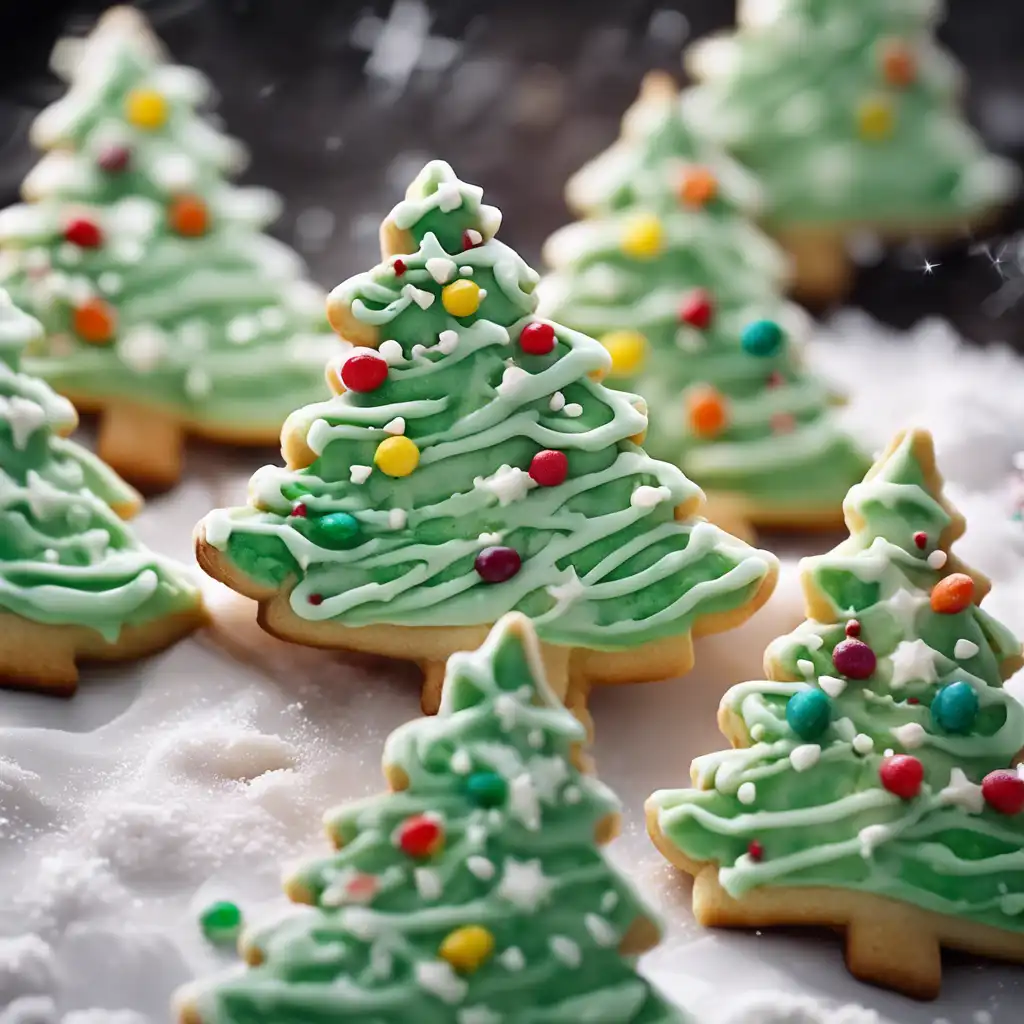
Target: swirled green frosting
220, 327
521, 863
65, 556
808, 95
605, 562
778, 447
818, 808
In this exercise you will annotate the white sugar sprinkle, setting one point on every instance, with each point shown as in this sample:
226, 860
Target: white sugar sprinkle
397, 518
910, 736
480, 867
805, 756
395, 426
863, 743
447, 341
392, 352
573, 409
937, 559
442, 270
557, 402
965, 649
747, 793
832, 685
359, 474
805, 666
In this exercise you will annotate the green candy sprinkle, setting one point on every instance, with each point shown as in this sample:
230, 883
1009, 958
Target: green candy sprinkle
221, 921
487, 789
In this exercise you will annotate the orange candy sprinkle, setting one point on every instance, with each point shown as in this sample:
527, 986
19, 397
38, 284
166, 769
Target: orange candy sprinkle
95, 322
189, 216
706, 411
698, 187
952, 594
898, 64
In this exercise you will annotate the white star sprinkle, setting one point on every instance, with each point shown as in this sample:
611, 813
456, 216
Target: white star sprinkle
832, 685
965, 649
422, 298
447, 342
962, 793
523, 803
909, 736
359, 474
912, 661
566, 593
507, 484
904, 606
524, 884
441, 269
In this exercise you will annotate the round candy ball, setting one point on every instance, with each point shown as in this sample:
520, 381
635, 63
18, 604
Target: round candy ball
497, 564
537, 339
95, 322
221, 921
955, 707
336, 530
643, 237
1003, 791
420, 836
952, 594
627, 349
854, 659
809, 713
189, 216
114, 159
396, 456
706, 412
364, 372
698, 186
467, 948
549, 468
84, 233
902, 774
486, 789
697, 309
461, 298
146, 108
761, 338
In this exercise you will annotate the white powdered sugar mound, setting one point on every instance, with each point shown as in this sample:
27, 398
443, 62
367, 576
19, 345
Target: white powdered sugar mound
777, 1008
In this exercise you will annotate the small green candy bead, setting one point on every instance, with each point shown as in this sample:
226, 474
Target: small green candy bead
335, 530
221, 921
809, 713
487, 789
761, 338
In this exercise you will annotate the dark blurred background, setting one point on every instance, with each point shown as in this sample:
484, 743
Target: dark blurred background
342, 101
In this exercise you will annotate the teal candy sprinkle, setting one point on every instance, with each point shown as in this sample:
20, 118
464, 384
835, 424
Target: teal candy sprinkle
809, 713
955, 707
486, 789
761, 338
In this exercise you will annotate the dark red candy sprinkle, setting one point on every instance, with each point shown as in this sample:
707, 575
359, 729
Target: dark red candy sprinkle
537, 339
854, 659
913, 700
1003, 791
399, 267
83, 233
299, 509
853, 628
497, 564
364, 372
316, 598
902, 775
755, 850
697, 309
920, 538
549, 468
114, 159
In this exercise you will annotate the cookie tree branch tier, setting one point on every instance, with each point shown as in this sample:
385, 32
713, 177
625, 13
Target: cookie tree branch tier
475, 891
847, 113
872, 786
685, 293
75, 584
166, 308
472, 464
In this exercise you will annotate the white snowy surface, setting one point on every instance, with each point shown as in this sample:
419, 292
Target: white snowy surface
198, 774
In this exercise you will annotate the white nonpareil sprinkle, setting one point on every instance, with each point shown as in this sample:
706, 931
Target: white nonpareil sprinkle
573, 409
110, 283
422, 298
910, 736
512, 381
524, 884
512, 959
69, 255
359, 474
438, 978
391, 352
466, 271
609, 901
601, 930
804, 666
535, 738
572, 794
447, 342
937, 559
486, 539
565, 950
557, 402
804, 757
646, 496
441, 269
832, 685
965, 649
747, 793
480, 867
395, 426
50, 555
507, 483
242, 329
461, 763
143, 348
397, 518
428, 883
863, 744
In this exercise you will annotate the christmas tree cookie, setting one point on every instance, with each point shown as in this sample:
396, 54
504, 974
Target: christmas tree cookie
75, 584
472, 464
166, 308
685, 293
475, 891
847, 114
872, 786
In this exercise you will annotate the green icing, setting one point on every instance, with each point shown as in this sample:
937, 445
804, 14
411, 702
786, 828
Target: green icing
784, 94
527, 869
221, 328
65, 556
820, 811
605, 564
780, 447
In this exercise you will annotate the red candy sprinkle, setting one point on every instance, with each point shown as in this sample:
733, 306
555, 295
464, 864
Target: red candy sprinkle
471, 239
902, 775
549, 468
1003, 791
316, 598
537, 339
399, 267
697, 309
299, 509
920, 538
362, 888
364, 372
913, 700
755, 851
83, 233
115, 159
775, 379
420, 836
854, 659
853, 628
497, 564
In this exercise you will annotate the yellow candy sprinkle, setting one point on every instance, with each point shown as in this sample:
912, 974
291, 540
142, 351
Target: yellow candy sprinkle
146, 108
627, 349
467, 948
643, 237
397, 456
461, 298
875, 118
